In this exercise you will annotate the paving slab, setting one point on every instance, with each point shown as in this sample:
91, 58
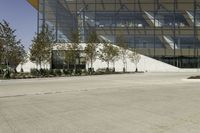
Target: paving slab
127, 103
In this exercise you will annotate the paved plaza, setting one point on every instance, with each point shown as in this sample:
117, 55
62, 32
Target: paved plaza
127, 103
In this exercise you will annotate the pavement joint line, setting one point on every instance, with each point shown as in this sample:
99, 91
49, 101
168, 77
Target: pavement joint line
13, 96
45, 93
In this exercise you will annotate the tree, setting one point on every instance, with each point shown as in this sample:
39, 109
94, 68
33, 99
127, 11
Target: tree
108, 53
73, 48
1, 50
18, 55
114, 55
2, 43
24, 59
41, 48
12, 51
91, 48
69, 58
123, 50
135, 58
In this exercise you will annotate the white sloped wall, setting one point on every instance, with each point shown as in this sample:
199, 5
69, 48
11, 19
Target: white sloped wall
146, 64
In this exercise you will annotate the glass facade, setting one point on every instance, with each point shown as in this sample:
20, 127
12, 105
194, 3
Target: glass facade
167, 30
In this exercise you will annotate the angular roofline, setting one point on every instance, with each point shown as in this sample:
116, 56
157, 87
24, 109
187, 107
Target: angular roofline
34, 3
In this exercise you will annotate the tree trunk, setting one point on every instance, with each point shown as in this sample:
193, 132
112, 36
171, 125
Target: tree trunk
113, 66
40, 63
124, 69
136, 69
51, 60
91, 66
68, 65
7, 65
91, 63
75, 67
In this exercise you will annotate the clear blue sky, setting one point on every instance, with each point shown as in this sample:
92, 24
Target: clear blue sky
22, 17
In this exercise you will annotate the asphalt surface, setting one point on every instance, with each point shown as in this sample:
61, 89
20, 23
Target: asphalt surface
129, 103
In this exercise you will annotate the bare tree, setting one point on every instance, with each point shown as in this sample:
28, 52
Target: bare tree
135, 58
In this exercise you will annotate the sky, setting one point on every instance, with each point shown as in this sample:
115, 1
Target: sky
22, 17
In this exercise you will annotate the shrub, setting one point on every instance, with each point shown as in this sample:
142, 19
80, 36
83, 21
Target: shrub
66, 72
107, 70
12, 75
1, 71
101, 71
83, 71
44, 72
35, 72
6, 74
113, 70
52, 73
71, 71
78, 71
91, 71
58, 72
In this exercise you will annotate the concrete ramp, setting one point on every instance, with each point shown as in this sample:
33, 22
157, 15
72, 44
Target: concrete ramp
146, 64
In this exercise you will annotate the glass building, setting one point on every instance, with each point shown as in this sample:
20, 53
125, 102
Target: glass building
167, 30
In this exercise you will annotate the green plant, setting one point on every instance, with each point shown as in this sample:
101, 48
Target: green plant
121, 41
91, 71
52, 73
41, 48
58, 72
102, 71
35, 72
12, 75
91, 47
44, 72
109, 53
78, 72
6, 74
83, 72
73, 49
66, 71
11, 49
135, 58
1, 71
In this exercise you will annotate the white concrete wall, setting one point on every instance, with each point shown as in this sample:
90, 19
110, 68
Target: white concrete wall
30, 65
146, 64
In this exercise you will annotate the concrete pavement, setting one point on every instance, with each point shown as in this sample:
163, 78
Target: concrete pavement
129, 103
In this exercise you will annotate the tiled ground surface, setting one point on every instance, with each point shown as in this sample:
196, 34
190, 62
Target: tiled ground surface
132, 103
